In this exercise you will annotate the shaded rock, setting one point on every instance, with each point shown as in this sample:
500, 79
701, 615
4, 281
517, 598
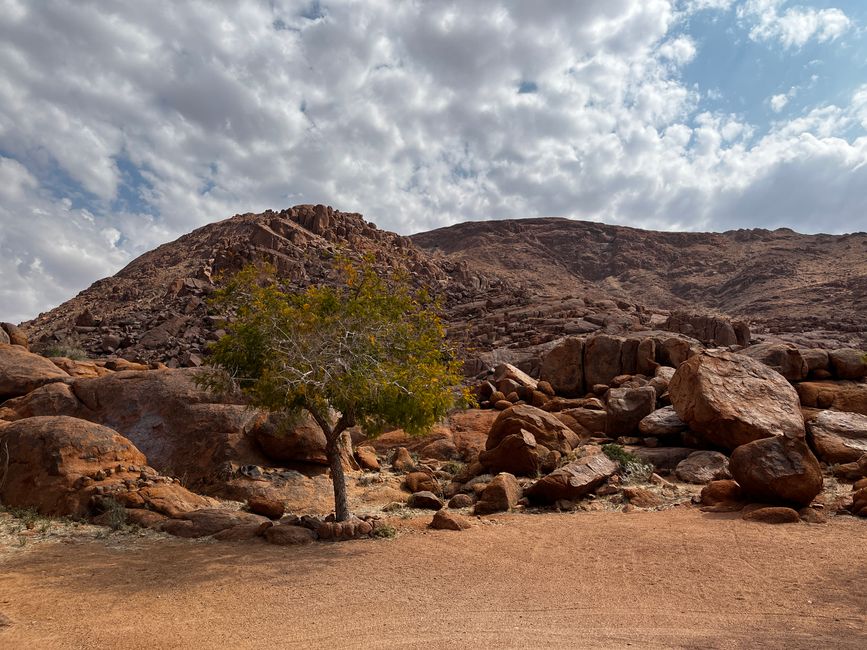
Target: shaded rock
662, 422
732, 399
443, 449
563, 367
289, 535
424, 500
546, 428
208, 521
602, 356
662, 458
445, 520
812, 516
703, 467
55, 398
515, 454
772, 515
722, 492
271, 508
170, 499
849, 396
859, 503
573, 481
460, 501
714, 330
500, 495
421, 482
242, 532
852, 471
641, 497
22, 371
848, 363
784, 358
367, 459
402, 461
838, 437
777, 469
13, 335
817, 359
508, 371
298, 439
627, 407
590, 419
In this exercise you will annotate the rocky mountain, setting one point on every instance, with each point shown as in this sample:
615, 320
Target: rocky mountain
510, 288
779, 281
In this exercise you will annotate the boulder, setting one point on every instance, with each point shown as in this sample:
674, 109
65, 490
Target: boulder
421, 482
703, 467
500, 495
627, 407
838, 437
849, 396
402, 461
602, 356
516, 454
445, 520
713, 330
785, 358
778, 469
663, 459
817, 359
731, 399
848, 363
590, 419
853, 471
574, 480
51, 399
546, 428
270, 508
22, 371
508, 371
208, 521
662, 422
563, 367
299, 439
460, 501
289, 535
722, 492
425, 500
367, 459
14, 335
859, 503
641, 497
772, 515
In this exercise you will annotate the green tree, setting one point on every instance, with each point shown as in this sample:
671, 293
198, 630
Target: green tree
370, 349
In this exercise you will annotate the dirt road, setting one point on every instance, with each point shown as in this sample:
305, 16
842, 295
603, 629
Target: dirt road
677, 578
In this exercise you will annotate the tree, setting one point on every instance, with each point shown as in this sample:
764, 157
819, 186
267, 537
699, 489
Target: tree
370, 349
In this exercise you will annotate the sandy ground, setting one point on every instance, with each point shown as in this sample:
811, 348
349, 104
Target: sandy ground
678, 578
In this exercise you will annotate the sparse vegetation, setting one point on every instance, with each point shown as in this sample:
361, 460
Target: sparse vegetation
385, 531
68, 347
633, 469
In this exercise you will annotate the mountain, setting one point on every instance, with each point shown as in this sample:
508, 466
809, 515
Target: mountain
509, 288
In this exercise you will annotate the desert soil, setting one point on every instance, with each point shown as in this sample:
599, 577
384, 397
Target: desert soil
677, 578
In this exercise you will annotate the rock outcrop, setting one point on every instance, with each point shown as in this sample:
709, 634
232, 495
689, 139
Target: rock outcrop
838, 437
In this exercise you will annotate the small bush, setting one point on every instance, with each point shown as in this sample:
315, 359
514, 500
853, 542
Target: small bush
633, 469
619, 454
385, 531
67, 347
454, 467
115, 514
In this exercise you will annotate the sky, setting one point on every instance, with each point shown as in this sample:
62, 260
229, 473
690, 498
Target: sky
126, 124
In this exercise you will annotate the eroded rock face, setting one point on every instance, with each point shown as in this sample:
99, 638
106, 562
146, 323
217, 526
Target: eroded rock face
838, 437
573, 481
777, 469
627, 407
731, 399
563, 367
714, 330
21, 371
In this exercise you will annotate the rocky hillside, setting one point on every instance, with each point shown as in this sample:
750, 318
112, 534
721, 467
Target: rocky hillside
510, 288
780, 281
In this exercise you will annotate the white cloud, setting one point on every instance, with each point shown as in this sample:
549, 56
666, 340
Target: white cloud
130, 124
794, 26
778, 102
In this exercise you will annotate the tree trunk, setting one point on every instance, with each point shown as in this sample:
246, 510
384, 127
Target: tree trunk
338, 478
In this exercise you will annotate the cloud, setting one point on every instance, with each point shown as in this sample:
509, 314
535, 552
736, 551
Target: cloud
795, 26
124, 125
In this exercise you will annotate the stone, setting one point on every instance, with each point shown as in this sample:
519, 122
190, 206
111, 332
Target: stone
662, 422
508, 371
14, 335
724, 491
515, 454
170, 499
546, 429
859, 503
838, 437
663, 459
778, 469
421, 482
786, 359
817, 359
848, 363
591, 419
713, 330
460, 501
546, 389
299, 439
772, 515
55, 398
22, 371
848, 396
402, 461
424, 500
289, 535
731, 399
572, 481
367, 459
242, 532
445, 520
641, 497
627, 407
271, 508
562, 367
208, 521
852, 471
703, 467
500, 495
602, 356
812, 516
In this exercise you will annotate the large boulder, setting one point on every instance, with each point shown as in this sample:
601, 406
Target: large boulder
563, 367
14, 335
573, 481
65, 466
838, 437
627, 407
501, 495
663, 459
702, 467
849, 396
785, 358
777, 469
848, 363
662, 422
292, 439
516, 454
22, 371
602, 361
731, 399
545, 427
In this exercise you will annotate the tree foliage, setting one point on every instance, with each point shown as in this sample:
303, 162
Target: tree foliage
370, 348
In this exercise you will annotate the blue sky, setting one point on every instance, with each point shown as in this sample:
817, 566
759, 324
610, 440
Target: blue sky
124, 125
